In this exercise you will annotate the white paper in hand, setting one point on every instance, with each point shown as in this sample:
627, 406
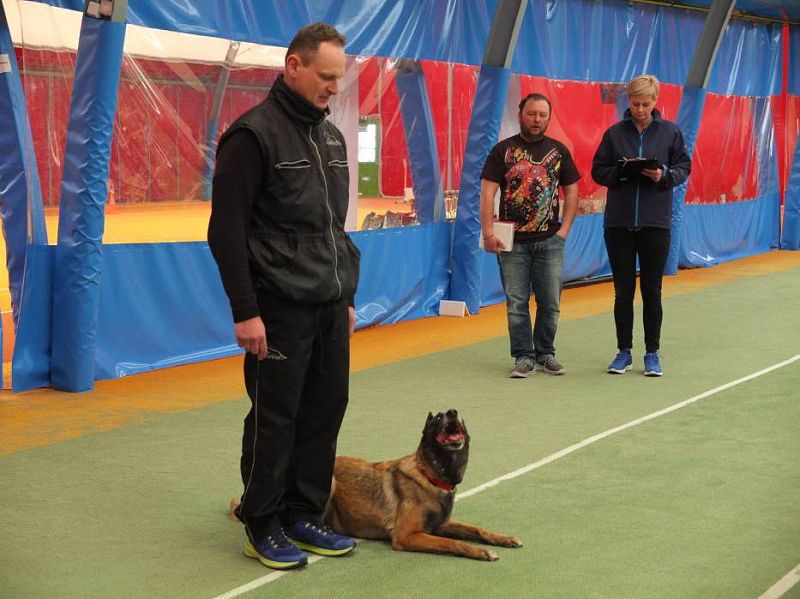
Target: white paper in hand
504, 231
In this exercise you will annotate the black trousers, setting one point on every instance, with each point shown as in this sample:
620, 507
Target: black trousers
298, 396
651, 246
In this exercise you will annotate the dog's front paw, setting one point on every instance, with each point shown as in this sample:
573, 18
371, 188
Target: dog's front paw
487, 555
510, 542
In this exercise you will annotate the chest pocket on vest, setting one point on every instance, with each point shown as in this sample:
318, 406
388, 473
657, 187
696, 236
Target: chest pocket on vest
339, 175
291, 179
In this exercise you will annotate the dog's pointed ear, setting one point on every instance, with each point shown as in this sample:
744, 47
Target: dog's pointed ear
428, 421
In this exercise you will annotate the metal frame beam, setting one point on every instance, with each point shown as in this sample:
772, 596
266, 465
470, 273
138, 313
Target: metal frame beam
706, 50
502, 40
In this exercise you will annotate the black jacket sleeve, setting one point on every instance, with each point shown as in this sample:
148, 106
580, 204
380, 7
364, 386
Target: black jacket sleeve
237, 179
680, 164
604, 163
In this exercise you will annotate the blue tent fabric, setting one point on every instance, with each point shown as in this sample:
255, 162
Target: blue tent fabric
407, 272
133, 328
729, 231
30, 368
450, 30
20, 191
793, 86
167, 327
487, 112
78, 266
689, 115
790, 239
642, 39
415, 108
722, 232
748, 61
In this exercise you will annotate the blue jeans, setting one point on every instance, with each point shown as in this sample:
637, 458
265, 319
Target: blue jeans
538, 267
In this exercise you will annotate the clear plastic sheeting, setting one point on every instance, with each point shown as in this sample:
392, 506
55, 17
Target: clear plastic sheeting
385, 176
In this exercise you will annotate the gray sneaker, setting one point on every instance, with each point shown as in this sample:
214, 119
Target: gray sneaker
523, 368
549, 364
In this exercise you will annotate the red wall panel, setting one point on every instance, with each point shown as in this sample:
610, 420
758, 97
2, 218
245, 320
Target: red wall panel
724, 164
163, 152
192, 108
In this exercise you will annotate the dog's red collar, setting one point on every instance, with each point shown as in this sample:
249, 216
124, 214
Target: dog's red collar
435, 481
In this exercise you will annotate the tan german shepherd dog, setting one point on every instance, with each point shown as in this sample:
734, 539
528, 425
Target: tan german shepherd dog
409, 500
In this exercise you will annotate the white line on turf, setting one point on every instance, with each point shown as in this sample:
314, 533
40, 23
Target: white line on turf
600, 436
792, 576
783, 585
259, 582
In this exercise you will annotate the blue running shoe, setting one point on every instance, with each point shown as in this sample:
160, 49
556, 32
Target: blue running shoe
317, 538
652, 364
276, 551
622, 363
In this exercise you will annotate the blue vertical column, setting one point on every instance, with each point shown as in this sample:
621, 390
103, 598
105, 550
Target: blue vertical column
689, 114
487, 113
20, 189
420, 140
78, 260
790, 237
22, 211
766, 227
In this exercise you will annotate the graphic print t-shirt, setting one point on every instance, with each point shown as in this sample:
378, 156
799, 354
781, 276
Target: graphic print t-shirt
529, 174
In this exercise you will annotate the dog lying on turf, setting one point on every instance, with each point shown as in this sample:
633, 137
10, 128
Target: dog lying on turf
409, 500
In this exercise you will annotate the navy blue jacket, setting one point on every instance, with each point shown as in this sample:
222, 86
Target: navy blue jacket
638, 201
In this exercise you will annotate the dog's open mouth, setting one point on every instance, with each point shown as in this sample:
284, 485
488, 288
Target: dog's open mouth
452, 435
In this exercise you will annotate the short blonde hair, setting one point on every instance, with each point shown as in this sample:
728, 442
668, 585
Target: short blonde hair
644, 85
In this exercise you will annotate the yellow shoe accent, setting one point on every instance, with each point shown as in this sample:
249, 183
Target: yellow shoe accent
250, 551
322, 550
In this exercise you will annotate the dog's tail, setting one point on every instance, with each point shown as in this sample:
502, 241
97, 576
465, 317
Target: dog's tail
232, 509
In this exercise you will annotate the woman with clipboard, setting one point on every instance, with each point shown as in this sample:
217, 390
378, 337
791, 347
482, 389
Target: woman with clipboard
640, 159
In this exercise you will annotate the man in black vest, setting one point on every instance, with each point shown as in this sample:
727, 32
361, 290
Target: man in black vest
279, 202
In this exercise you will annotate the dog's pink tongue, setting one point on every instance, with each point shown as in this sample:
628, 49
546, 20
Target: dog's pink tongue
445, 439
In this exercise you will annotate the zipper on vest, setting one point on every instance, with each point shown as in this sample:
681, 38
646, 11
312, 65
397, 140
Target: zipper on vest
330, 213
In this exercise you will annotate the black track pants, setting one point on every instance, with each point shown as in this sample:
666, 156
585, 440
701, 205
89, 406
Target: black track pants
651, 246
298, 395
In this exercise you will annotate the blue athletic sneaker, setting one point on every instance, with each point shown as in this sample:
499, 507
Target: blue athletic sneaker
652, 364
276, 551
622, 363
317, 538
